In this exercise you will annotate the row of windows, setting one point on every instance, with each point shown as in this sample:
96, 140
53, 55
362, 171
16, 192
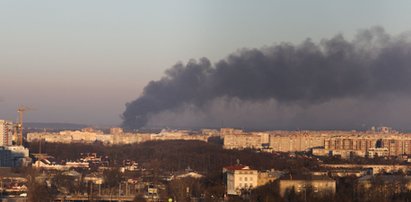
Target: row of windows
299, 189
245, 172
246, 185
246, 179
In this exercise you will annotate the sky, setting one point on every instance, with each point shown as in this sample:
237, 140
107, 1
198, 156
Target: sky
81, 61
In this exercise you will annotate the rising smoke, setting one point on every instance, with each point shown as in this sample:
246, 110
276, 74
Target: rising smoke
305, 77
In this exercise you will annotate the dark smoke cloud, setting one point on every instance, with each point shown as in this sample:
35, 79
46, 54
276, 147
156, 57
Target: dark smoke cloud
310, 74
344, 113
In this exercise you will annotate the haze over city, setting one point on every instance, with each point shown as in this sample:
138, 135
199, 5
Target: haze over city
205, 101
82, 64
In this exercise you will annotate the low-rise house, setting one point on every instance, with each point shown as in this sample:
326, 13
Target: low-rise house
48, 165
94, 178
268, 176
348, 172
129, 165
377, 152
191, 174
239, 178
76, 164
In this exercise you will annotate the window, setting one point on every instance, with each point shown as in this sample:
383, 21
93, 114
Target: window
241, 179
245, 179
251, 178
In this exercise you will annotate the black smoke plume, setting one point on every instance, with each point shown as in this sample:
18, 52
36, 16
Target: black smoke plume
371, 64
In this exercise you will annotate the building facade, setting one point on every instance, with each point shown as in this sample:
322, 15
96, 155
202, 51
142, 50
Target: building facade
240, 177
319, 184
117, 136
6, 133
369, 145
14, 156
243, 141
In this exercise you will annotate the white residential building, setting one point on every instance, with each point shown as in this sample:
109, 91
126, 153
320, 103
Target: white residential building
240, 177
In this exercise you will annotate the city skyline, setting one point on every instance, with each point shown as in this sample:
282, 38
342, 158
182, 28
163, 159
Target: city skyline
81, 64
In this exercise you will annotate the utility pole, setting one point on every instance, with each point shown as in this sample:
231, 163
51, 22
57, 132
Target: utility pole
91, 191
127, 189
119, 189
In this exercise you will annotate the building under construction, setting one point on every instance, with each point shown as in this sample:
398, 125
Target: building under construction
12, 153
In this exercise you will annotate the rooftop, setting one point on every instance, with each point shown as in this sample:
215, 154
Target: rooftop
237, 167
307, 177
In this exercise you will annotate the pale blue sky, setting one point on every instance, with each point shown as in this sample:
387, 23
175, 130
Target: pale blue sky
80, 61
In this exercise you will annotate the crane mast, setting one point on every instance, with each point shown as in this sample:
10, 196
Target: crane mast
21, 110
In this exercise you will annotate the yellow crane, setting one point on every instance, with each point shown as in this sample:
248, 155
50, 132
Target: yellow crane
21, 110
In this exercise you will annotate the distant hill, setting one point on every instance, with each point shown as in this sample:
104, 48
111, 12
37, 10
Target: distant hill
54, 126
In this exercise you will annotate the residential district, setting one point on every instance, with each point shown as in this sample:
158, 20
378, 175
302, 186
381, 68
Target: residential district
224, 164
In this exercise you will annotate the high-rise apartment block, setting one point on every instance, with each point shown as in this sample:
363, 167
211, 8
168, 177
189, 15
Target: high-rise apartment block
282, 141
6, 133
11, 155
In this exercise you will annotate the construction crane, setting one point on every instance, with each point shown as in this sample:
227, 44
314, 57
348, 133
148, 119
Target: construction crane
21, 110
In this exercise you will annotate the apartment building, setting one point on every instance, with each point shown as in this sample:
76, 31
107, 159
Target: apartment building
117, 136
281, 141
243, 141
296, 141
380, 144
6, 133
